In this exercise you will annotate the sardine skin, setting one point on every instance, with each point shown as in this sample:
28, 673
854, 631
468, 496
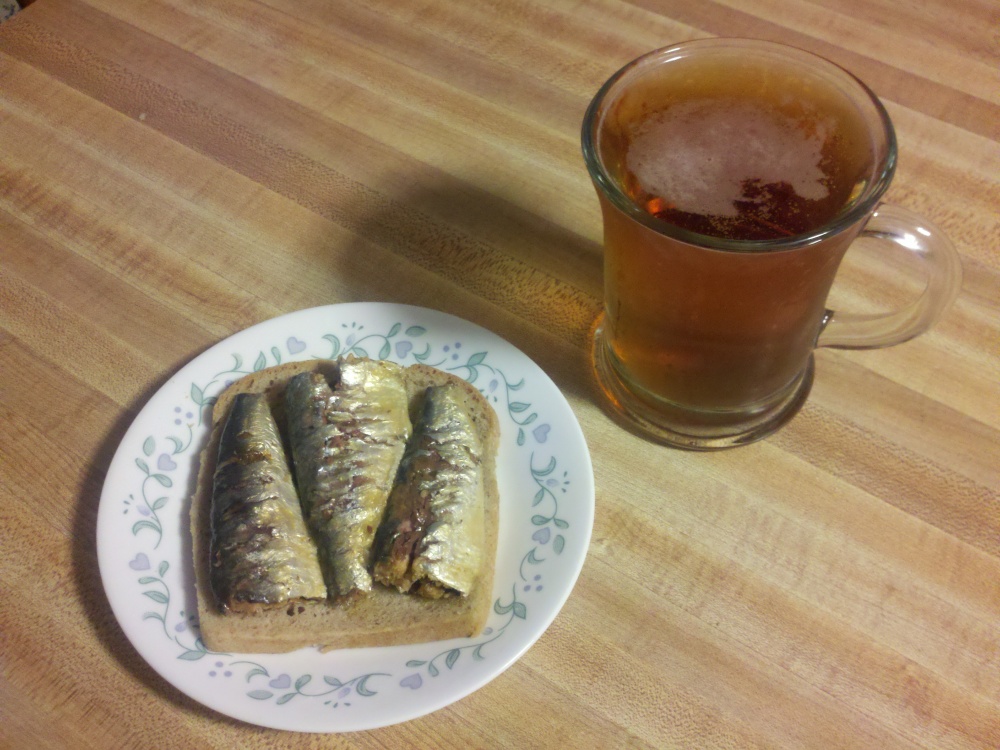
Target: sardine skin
347, 443
260, 550
432, 538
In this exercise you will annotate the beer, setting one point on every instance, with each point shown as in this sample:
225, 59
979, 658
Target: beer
733, 156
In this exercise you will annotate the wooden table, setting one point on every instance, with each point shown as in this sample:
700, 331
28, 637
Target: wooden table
173, 171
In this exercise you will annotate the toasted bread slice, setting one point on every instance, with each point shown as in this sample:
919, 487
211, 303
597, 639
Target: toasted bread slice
385, 617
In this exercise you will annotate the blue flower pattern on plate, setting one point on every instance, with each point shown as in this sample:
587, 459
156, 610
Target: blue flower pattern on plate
161, 454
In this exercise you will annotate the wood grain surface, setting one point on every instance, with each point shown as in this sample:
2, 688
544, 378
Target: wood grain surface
173, 171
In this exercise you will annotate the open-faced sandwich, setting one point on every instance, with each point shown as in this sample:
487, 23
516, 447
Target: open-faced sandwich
345, 503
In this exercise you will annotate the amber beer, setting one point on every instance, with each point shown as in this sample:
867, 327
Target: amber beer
720, 177
747, 154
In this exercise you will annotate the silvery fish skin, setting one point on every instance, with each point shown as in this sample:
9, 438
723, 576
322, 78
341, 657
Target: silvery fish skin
347, 443
431, 541
261, 553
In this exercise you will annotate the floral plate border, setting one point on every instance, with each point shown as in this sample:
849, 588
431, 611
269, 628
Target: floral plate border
547, 509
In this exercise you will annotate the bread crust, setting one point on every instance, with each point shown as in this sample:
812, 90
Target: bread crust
383, 618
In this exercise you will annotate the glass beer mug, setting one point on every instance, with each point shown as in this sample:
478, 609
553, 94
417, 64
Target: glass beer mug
733, 175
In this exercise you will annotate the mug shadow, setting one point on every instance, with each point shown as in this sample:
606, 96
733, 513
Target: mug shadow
481, 257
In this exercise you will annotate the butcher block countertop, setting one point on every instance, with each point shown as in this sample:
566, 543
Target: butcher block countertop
175, 171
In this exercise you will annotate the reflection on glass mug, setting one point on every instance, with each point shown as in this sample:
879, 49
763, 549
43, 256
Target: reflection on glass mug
732, 177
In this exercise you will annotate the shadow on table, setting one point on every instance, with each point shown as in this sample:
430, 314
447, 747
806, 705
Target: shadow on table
464, 251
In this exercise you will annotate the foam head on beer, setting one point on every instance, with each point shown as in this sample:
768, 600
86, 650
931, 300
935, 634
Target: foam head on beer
754, 152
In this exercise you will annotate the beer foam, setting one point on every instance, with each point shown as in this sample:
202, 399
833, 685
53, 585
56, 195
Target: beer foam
699, 156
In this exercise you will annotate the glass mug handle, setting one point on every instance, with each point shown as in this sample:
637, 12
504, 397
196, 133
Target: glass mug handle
944, 279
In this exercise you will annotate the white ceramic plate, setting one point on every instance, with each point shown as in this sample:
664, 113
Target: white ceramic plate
546, 516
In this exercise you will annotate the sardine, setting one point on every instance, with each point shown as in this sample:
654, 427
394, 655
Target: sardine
346, 444
260, 550
431, 541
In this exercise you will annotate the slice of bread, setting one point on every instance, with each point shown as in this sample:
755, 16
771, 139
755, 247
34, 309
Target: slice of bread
383, 618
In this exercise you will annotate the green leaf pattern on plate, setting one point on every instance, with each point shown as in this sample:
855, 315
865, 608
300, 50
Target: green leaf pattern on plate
405, 344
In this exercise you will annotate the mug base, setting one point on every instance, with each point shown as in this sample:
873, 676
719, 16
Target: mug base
693, 429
